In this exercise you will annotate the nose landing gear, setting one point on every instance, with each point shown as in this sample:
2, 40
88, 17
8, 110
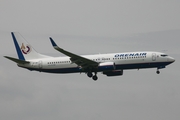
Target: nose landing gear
158, 72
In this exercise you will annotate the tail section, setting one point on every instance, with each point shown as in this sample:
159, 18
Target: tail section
18, 61
24, 50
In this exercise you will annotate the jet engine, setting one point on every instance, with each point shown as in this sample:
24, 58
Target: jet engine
106, 66
113, 73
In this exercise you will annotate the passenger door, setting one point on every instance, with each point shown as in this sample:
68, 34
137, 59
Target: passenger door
40, 64
153, 56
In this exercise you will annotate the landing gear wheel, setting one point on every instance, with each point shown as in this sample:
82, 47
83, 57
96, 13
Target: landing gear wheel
94, 77
89, 74
158, 72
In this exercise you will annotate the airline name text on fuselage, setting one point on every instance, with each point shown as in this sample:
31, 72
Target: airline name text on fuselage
130, 54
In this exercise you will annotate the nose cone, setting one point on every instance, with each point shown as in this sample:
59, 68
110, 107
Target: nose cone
171, 59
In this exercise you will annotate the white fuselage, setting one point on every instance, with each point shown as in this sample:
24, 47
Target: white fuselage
128, 60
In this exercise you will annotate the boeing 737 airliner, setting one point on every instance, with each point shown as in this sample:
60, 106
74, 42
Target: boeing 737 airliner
109, 64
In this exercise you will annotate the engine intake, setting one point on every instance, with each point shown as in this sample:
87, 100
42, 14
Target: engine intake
106, 66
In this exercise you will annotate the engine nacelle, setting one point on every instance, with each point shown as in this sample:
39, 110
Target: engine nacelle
106, 66
113, 73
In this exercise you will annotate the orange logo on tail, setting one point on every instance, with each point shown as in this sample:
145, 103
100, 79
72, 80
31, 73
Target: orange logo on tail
25, 49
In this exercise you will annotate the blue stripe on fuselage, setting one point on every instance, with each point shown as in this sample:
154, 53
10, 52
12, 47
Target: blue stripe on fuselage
142, 65
20, 55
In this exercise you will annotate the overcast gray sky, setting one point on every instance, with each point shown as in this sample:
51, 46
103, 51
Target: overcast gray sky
88, 27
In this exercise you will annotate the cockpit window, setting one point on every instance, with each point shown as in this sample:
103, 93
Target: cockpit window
164, 55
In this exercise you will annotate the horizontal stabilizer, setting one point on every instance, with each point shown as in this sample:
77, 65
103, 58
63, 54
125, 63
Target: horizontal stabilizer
17, 60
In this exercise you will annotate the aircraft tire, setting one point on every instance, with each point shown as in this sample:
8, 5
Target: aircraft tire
158, 72
94, 77
89, 74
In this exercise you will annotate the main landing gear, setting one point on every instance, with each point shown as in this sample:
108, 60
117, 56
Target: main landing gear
94, 77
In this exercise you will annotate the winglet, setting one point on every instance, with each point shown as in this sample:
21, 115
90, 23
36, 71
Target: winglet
53, 43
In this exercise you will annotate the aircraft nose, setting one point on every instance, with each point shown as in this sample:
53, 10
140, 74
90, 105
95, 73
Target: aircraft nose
171, 59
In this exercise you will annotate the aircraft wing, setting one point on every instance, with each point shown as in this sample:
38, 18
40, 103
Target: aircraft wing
83, 62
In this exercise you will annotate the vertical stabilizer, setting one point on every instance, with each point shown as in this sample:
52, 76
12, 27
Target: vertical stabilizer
24, 50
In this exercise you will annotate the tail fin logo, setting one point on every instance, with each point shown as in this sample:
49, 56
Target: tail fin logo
25, 49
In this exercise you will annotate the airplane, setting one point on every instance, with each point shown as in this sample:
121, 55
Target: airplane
112, 64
